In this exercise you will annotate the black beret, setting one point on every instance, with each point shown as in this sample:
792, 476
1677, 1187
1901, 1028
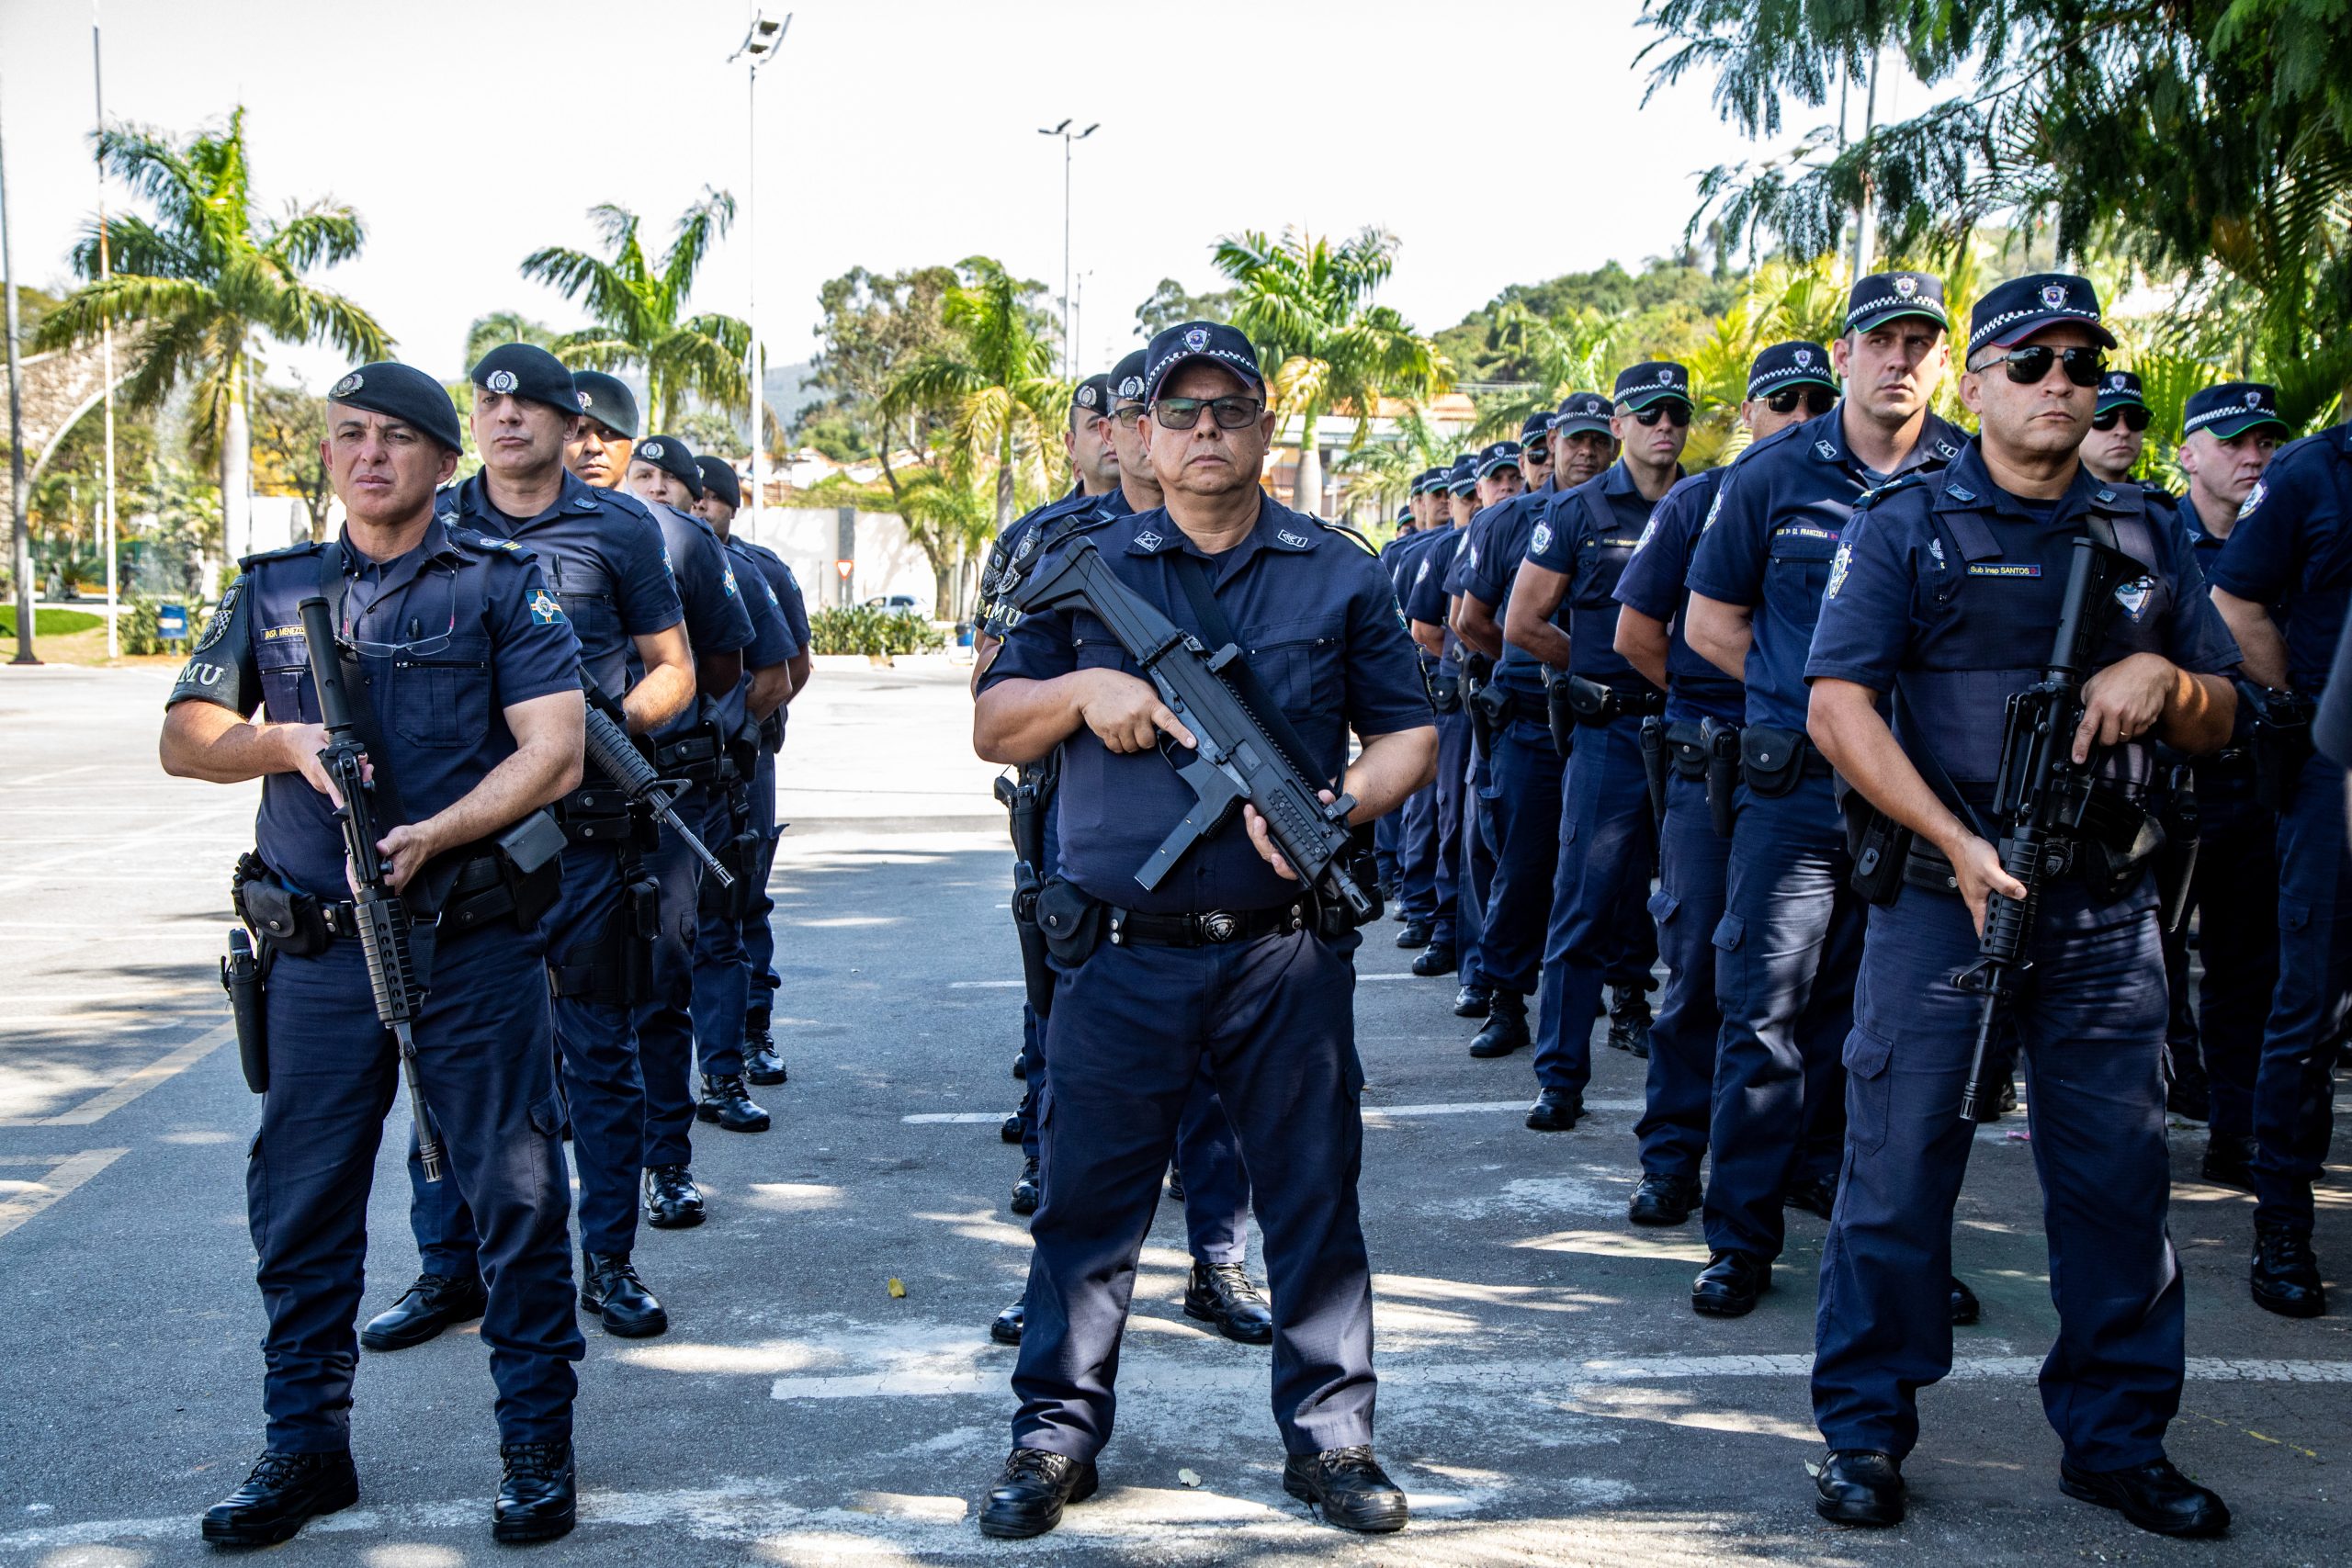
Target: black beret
1790, 365
608, 400
2009, 313
1093, 395
719, 478
1886, 296
674, 458
1126, 379
402, 392
520, 370
2231, 409
1214, 340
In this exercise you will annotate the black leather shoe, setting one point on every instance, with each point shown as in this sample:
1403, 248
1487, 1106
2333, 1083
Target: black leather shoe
1436, 959
1348, 1487
1858, 1486
725, 1102
1025, 1190
2285, 1277
1555, 1111
1965, 1308
2190, 1096
2228, 1161
434, 1302
610, 1289
1031, 1492
1506, 1028
1817, 1196
539, 1498
672, 1202
283, 1491
1005, 1329
1221, 1294
1629, 1020
1729, 1285
762, 1062
1021, 1066
1417, 933
1472, 1002
1175, 1184
1663, 1200
1011, 1129
2154, 1497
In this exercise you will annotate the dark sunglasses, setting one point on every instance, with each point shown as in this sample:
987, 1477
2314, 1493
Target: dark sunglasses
1677, 414
2030, 364
2134, 418
1230, 413
1816, 400
1127, 414
1536, 452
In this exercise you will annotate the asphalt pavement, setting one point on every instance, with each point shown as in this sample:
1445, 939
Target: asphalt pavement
1547, 1395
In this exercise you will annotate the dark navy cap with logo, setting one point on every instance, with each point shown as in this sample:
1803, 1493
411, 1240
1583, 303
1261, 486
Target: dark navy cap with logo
2010, 313
1462, 478
1494, 460
1884, 297
1581, 412
674, 458
718, 480
1653, 380
522, 370
1534, 428
1429, 480
2119, 387
2231, 409
402, 393
608, 400
1126, 379
1790, 365
1405, 515
1092, 396
1213, 340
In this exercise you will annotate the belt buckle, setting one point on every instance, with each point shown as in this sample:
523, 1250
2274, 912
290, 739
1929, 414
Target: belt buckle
1219, 925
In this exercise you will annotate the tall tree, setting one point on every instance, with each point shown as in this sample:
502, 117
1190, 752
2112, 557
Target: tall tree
1171, 304
1307, 306
488, 331
639, 305
874, 328
204, 281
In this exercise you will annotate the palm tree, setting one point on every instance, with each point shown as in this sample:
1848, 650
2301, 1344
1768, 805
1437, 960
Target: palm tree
203, 282
504, 327
948, 517
1307, 306
636, 307
1384, 471
1574, 353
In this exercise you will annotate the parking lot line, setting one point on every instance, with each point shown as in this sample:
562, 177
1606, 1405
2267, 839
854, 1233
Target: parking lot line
20, 1200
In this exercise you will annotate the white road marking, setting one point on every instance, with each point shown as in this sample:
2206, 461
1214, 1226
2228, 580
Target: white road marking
20, 1200
106, 1101
983, 984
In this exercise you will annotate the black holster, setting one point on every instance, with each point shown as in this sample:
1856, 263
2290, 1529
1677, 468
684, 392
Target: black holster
1722, 741
1653, 764
1489, 711
2280, 738
2182, 820
1559, 714
1026, 801
1879, 846
243, 975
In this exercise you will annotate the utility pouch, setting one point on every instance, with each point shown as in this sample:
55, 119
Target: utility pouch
530, 862
1476, 666
2280, 739
1879, 846
1773, 760
1489, 711
1072, 922
1686, 749
1653, 764
772, 733
1445, 692
287, 920
242, 974
744, 751
694, 755
1722, 741
1560, 716
1590, 701
595, 813
639, 929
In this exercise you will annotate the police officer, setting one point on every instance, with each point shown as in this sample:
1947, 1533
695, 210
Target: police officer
722, 497
1387, 833
1414, 904
465, 680
601, 442
1942, 596
1791, 935
1787, 384
602, 555
663, 474
2282, 583
1422, 859
1524, 775
1226, 964
2119, 433
1608, 836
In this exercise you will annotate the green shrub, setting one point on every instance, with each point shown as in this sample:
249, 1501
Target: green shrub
863, 628
49, 623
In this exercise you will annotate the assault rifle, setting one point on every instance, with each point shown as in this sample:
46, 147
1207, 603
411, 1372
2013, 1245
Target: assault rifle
611, 750
1236, 759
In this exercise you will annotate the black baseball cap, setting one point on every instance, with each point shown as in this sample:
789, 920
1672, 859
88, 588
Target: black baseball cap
1093, 395
1790, 365
1179, 345
1581, 412
2231, 409
719, 478
402, 392
1653, 380
608, 400
1495, 459
2010, 313
1884, 297
1126, 379
2117, 388
674, 458
523, 370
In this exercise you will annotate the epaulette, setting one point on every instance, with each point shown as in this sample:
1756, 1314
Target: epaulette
247, 563
1901, 481
475, 539
1344, 531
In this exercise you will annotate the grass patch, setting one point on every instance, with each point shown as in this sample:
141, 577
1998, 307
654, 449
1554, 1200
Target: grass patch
50, 622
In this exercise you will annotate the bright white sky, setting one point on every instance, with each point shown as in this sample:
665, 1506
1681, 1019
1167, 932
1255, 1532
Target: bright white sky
893, 133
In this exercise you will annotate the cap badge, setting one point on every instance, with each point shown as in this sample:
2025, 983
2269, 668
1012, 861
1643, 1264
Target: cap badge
1906, 285
1804, 357
650, 451
2054, 295
1132, 386
502, 381
1197, 339
584, 400
2254, 397
1666, 376
1086, 396
2115, 382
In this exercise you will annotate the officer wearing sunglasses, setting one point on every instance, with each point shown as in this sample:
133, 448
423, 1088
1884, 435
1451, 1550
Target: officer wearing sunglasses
2119, 433
1942, 604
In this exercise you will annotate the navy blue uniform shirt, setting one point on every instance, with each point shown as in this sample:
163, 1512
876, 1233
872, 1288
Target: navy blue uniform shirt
449, 636
1768, 539
1030, 538
1317, 619
1655, 584
785, 588
717, 621
2291, 550
602, 555
1588, 536
772, 641
1490, 565
1426, 597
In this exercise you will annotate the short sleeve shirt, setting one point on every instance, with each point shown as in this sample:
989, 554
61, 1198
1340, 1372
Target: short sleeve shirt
2290, 551
1653, 584
1588, 536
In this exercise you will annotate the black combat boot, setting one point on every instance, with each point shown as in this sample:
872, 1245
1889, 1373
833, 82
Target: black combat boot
610, 1289
2285, 1276
1505, 1028
725, 1101
1629, 1020
1348, 1487
1031, 1492
434, 1302
282, 1493
539, 1499
1221, 1294
672, 1202
762, 1064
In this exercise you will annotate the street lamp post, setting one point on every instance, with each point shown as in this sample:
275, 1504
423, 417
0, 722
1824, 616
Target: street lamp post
759, 46
21, 525
1069, 137
105, 342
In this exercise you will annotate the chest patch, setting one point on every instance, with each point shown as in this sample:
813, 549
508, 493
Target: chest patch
1297, 541
2133, 597
279, 634
2003, 569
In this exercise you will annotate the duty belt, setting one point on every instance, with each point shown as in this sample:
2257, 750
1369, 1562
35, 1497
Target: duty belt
1209, 928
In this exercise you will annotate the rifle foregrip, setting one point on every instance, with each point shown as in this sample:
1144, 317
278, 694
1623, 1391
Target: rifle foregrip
391, 967
617, 757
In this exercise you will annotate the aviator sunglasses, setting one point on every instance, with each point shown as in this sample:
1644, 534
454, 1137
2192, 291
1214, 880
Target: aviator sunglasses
2030, 364
1230, 413
1674, 413
1816, 400
2134, 416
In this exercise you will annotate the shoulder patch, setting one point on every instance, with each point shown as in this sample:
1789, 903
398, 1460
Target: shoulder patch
217, 626
2254, 498
1539, 540
1838, 564
545, 610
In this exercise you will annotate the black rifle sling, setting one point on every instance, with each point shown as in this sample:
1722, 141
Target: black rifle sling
1193, 577
335, 588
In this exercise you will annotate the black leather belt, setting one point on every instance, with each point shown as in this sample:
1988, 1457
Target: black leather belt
1210, 928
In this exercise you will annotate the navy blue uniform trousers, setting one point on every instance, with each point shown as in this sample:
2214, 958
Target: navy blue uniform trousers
1600, 928
1452, 877
666, 1021
722, 985
1417, 854
1523, 788
1387, 833
1694, 864
2294, 1090
489, 1077
1270, 1022
761, 979
604, 1090
2092, 1029
2237, 935
1786, 951
1476, 888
